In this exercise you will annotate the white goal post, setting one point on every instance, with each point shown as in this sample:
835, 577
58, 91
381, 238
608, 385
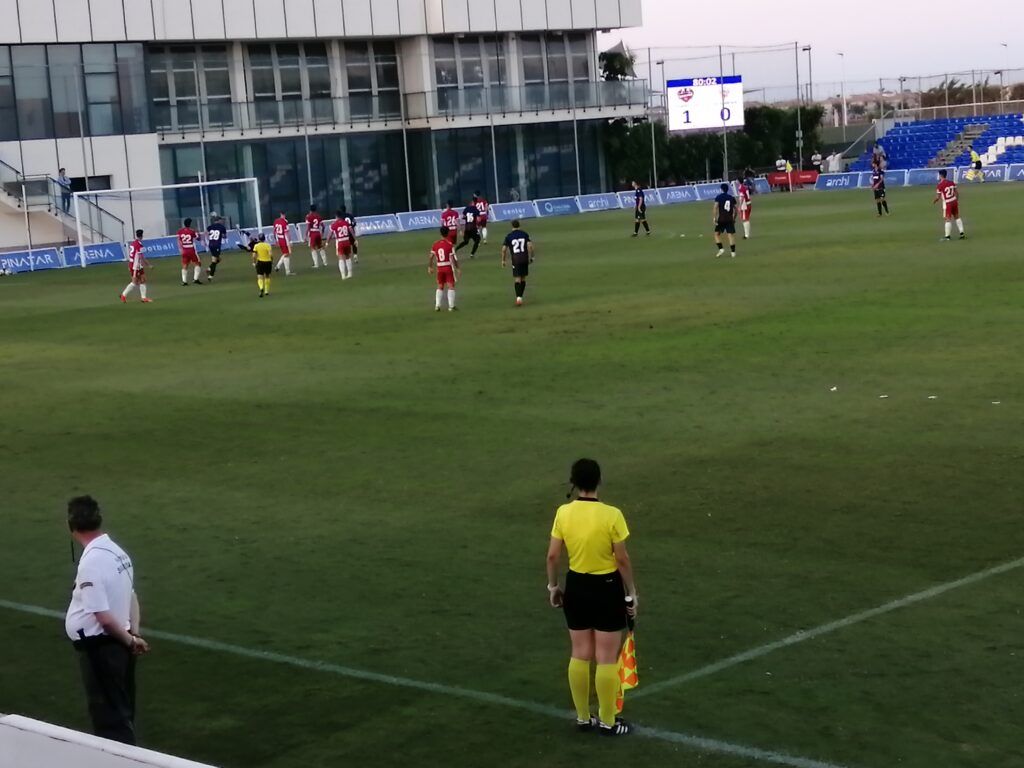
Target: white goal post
83, 198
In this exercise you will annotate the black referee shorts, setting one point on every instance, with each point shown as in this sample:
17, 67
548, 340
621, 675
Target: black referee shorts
595, 601
264, 268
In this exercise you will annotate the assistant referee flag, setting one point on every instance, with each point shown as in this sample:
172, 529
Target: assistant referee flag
628, 678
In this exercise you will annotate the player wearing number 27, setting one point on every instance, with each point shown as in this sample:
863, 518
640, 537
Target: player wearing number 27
947, 192
442, 255
725, 221
519, 248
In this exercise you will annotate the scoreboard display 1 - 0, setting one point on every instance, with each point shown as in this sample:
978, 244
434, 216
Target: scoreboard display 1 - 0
705, 103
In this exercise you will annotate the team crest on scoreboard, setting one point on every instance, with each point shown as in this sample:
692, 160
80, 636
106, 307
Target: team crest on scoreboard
685, 94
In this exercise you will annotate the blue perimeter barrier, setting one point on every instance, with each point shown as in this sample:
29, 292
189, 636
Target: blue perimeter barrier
416, 221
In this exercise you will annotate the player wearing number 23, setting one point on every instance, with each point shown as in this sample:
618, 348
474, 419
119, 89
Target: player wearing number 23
519, 248
725, 220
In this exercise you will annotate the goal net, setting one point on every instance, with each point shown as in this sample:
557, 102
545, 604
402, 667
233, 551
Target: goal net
114, 215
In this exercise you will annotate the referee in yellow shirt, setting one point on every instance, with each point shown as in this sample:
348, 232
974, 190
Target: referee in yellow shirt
600, 578
976, 173
263, 260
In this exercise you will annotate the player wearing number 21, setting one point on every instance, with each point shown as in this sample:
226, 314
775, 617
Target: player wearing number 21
724, 219
519, 248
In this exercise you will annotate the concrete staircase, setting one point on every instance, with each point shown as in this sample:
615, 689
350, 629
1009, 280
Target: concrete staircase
958, 145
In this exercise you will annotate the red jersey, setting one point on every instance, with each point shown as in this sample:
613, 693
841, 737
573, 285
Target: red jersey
744, 196
187, 241
947, 192
135, 255
341, 231
314, 223
450, 219
444, 254
281, 229
484, 207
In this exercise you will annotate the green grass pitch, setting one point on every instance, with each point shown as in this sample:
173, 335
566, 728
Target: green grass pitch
340, 475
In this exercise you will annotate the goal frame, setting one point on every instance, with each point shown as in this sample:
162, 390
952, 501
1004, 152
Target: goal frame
201, 185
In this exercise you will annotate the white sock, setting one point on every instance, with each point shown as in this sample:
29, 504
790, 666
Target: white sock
128, 289
746, 228
287, 264
279, 263
438, 298
949, 228
341, 267
315, 262
197, 272
960, 225
184, 274
348, 267
142, 289
323, 256
485, 233
451, 298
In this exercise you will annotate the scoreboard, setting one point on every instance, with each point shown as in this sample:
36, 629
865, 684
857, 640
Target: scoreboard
705, 103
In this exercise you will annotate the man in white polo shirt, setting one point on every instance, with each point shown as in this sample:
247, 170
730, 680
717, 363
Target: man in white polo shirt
103, 623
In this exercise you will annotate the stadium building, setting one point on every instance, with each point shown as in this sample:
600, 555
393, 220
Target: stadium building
381, 105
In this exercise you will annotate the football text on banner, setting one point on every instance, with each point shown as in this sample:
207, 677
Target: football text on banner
673, 195
837, 181
376, 225
924, 177
1015, 172
160, 247
708, 191
29, 261
628, 199
101, 253
510, 211
416, 220
603, 202
557, 206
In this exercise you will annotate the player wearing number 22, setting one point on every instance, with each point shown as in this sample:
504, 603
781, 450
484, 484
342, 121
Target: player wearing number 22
519, 248
725, 221
442, 256
948, 193
187, 238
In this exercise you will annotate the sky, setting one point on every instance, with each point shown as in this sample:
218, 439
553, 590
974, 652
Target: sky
898, 38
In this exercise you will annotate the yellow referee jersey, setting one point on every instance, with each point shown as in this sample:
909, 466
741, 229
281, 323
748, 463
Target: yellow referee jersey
589, 528
975, 157
263, 252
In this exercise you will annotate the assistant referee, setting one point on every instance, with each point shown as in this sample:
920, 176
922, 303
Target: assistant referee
594, 597
263, 260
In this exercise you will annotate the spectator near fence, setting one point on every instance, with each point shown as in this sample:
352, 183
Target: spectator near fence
65, 189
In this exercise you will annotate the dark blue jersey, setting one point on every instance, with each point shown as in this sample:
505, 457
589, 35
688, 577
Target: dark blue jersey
470, 214
216, 234
518, 244
351, 221
641, 200
726, 208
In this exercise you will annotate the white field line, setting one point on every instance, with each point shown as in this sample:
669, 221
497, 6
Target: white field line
824, 629
694, 742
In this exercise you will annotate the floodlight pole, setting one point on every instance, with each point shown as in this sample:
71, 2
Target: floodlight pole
725, 133
799, 119
842, 86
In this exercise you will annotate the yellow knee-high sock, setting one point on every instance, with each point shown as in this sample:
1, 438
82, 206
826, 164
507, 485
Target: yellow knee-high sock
607, 683
259, 281
579, 686
266, 283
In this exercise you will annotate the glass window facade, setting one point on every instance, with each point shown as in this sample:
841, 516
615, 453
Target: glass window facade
556, 68
371, 75
181, 77
469, 72
8, 113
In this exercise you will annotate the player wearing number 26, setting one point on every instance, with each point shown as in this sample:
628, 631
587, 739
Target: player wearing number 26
725, 221
519, 248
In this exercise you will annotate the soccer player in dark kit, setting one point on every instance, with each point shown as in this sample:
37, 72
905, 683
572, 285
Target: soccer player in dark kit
519, 248
640, 210
724, 219
470, 229
878, 187
216, 234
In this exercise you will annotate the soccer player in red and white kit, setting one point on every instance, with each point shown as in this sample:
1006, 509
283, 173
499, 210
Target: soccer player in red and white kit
284, 243
948, 193
344, 237
315, 236
450, 218
746, 208
442, 255
485, 212
187, 238
137, 267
